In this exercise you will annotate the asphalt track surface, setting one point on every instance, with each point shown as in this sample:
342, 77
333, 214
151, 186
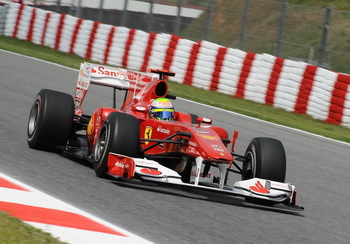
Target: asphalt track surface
319, 167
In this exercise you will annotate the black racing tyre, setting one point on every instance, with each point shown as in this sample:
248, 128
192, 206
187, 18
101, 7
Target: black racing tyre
266, 160
50, 121
120, 133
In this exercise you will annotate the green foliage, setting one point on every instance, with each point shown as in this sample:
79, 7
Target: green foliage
343, 5
302, 31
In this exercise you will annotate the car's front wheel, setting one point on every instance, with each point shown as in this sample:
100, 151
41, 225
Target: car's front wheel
120, 133
265, 159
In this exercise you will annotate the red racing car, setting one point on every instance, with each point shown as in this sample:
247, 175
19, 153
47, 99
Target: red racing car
147, 139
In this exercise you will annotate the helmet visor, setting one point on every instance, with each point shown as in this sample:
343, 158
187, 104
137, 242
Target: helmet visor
163, 114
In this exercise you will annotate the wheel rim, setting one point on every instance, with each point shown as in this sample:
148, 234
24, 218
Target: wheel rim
34, 117
251, 155
101, 143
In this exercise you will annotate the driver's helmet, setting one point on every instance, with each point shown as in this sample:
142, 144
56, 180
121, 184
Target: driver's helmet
162, 109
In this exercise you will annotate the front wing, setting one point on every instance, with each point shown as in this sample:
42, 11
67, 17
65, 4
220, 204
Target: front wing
265, 191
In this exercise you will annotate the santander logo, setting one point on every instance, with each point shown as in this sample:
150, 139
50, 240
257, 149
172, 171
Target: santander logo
103, 71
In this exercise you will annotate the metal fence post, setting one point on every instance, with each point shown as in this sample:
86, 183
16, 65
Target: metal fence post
150, 16
281, 28
324, 38
78, 12
3, 12
58, 6
208, 20
244, 24
100, 11
124, 15
72, 8
178, 18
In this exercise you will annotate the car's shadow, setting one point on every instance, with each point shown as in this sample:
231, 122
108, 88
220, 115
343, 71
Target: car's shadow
202, 195
76, 159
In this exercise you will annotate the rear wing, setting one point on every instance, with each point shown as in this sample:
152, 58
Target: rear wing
103, 75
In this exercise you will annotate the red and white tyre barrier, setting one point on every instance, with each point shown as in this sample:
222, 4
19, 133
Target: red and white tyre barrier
62, 220
291, 85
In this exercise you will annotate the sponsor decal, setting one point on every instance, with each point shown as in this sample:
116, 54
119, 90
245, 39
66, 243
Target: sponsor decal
103, 71
79, 93
76, 103
84, 76
209, 137
120, 74
192, 143
218, 149
194, 173
259, 188
163, 130
146, 163
280, 185
151, 171
82, 87
82, 83
148, 133
192, 150
119, 164
77, 108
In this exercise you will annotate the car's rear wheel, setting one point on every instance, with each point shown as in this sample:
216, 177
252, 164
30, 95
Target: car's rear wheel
120, 133
50, 121
266, 159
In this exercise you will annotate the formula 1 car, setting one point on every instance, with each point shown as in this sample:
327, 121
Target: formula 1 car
128, 143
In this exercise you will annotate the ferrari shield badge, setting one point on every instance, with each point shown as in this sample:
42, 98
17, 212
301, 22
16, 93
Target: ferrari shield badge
148, 133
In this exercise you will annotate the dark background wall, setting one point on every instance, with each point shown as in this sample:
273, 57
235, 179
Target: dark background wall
135, 20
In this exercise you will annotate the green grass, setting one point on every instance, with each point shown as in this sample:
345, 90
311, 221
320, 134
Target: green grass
14, 231
45, 53
216, 99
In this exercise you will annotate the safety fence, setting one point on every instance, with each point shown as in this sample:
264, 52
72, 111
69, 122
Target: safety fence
291, 85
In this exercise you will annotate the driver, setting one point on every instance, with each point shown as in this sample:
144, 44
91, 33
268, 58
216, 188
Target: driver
162, 109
